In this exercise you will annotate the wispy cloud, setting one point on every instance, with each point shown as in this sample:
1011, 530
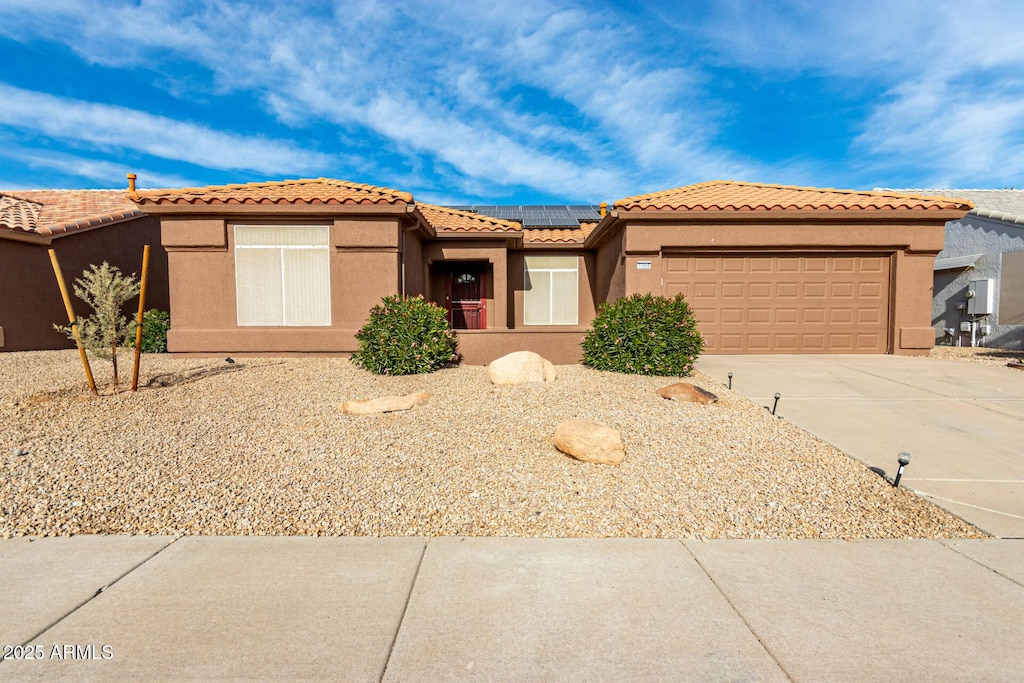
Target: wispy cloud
577, 98
95, 124
92, 171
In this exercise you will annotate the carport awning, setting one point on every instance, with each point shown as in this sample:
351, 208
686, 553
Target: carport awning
957, 262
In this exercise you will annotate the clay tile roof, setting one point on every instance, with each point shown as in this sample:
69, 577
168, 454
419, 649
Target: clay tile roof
444, 219
559, 235
55, 212
1000, 205
301, 191
740, 196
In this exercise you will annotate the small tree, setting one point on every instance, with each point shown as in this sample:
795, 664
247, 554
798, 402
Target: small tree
106, 291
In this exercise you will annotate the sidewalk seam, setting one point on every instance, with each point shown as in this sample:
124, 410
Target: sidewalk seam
405, 608
746, 623
982, 564
99, 591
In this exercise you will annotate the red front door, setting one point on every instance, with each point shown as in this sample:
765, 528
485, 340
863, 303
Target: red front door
465, 297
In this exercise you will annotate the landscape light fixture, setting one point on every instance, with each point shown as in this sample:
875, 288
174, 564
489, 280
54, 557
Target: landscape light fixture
730, 381
776, 405
903, 460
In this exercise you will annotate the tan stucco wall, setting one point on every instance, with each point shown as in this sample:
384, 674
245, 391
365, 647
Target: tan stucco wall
31, 303
610, 279
364, 269
481, 347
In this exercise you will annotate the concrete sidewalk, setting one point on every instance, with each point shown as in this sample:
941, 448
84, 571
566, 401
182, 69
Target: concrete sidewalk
962, 423
399, 609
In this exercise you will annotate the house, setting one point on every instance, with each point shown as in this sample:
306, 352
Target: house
83, 227
295, 266
979, 274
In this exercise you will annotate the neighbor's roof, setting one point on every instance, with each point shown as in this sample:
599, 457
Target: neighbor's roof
445, 219
740, 196
1000, 205
56, 212
301, 191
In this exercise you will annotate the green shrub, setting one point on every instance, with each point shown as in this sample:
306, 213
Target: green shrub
644, 334
106, 290
405, 336
154, 331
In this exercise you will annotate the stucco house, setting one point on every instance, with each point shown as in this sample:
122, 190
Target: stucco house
83, 227
979, 274
295, 266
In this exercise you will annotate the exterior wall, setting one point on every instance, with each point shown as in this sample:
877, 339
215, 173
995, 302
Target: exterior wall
561, 345
364, 266
995, 241
32, 301
610, 280
912, 246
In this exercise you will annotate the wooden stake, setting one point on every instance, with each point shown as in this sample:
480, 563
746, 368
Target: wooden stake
142, 310
72, 321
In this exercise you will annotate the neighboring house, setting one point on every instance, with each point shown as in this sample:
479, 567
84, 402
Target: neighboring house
83, 227
979, 275
295, 266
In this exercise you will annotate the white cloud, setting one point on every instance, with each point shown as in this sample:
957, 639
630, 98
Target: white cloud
109, 174
103, 125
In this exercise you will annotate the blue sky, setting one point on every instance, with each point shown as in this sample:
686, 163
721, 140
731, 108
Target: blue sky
512, 101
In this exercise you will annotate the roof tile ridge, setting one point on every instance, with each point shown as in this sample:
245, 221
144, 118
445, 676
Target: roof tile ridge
365, 187
483, 218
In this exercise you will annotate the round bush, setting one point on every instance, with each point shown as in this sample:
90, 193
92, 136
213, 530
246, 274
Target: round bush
405, 336
644, 334
155, 324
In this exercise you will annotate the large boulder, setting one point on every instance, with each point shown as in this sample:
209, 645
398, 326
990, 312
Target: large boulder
590, 442
386, 404
521, 367
681, 391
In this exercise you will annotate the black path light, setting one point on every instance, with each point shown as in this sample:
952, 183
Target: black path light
776, 405
903, 460
730, 380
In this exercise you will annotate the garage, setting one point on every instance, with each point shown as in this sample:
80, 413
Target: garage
793, 303
782, 268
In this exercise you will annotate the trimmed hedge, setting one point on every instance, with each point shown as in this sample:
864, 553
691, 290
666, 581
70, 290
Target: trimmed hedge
644, 334
405, 336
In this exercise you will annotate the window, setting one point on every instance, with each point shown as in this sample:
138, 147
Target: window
551, 292
283, 275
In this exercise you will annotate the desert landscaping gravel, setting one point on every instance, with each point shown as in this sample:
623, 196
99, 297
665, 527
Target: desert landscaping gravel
977, 354
260, 447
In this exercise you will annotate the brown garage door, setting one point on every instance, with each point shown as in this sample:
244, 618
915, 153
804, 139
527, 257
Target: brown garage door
808, 303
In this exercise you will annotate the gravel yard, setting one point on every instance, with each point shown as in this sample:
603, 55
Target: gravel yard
260, 447
977, 354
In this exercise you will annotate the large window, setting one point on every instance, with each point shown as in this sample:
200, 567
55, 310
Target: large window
283, 275
551, 294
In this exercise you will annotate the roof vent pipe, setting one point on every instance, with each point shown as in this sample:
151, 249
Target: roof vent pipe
604, 209
131, 182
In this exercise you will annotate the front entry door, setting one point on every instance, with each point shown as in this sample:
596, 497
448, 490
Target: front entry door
467, 308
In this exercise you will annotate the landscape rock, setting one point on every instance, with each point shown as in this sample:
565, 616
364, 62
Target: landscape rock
682, 391
590, 442
521, 367
385, 404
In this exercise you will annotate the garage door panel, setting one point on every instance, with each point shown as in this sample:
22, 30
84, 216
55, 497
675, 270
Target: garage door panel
786, 303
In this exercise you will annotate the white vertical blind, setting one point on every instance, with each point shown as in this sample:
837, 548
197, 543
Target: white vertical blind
551, 293
537, 297
282, 275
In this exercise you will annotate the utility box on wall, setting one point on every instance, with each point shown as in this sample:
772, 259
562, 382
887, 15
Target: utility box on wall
980, 297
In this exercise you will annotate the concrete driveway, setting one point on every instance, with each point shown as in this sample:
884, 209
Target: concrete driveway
962, 423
